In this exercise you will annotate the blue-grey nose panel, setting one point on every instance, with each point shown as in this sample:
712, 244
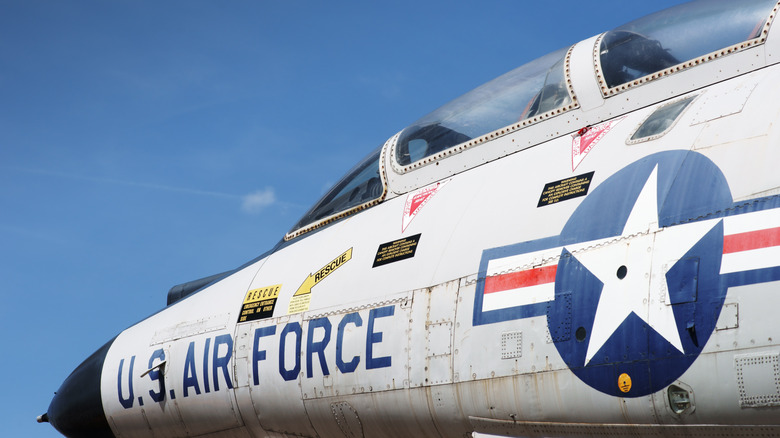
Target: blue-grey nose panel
76, 410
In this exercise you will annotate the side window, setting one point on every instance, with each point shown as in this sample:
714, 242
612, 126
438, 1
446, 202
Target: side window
360, 188
660, 121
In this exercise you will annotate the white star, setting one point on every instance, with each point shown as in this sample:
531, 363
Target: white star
632, 269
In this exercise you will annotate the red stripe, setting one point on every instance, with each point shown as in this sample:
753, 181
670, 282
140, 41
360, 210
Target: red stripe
751, 240
531, 277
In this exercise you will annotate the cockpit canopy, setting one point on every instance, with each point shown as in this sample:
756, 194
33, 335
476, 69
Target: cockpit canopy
536, 88
677, 35
360, 188
644, 50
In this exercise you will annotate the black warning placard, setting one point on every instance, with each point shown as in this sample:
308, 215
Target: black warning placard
564, 189
259, 303
396, 250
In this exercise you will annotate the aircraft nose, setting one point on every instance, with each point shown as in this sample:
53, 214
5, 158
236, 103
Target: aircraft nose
77, 408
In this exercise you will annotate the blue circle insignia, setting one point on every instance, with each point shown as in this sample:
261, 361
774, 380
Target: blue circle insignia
638, 289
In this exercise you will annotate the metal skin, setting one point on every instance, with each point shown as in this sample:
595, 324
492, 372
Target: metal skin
643, 306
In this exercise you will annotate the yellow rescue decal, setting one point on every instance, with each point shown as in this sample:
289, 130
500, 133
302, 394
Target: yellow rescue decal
300, 301
259, 303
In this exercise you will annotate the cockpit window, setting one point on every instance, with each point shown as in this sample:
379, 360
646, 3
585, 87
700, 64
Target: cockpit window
678, 38
523, 96
361, 188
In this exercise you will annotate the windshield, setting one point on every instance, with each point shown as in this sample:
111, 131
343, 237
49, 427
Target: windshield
360, 186
522, 94
679, 34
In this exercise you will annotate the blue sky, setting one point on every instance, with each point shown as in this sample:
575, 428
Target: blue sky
145, 144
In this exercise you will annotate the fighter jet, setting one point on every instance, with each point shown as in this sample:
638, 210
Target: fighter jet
588, 245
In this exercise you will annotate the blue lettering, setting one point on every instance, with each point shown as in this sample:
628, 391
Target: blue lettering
318, 337
190, 373
206, 366
317, 347
346, 367
375, 338
257, 354
223, 361
156, 375
127, 403
295, 328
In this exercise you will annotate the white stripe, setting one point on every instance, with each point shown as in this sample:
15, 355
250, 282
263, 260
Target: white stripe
749, 260
519, 297
745, 223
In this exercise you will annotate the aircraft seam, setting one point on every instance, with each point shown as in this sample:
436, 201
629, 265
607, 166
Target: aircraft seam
357, 308
555, 259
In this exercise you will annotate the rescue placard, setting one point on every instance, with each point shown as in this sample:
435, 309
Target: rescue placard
564, 189
300, 301
259, 303
396, 250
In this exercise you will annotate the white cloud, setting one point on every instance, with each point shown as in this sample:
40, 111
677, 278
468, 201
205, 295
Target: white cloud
256, 201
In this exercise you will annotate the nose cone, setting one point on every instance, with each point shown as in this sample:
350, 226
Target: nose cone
76, 410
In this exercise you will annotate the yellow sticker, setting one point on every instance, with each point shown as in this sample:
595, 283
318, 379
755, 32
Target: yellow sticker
624, 382
302, 297
259, 303
299, 303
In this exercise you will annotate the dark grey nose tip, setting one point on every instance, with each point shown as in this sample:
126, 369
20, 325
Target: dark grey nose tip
76, 410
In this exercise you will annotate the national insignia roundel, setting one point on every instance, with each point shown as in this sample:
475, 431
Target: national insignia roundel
632, 287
